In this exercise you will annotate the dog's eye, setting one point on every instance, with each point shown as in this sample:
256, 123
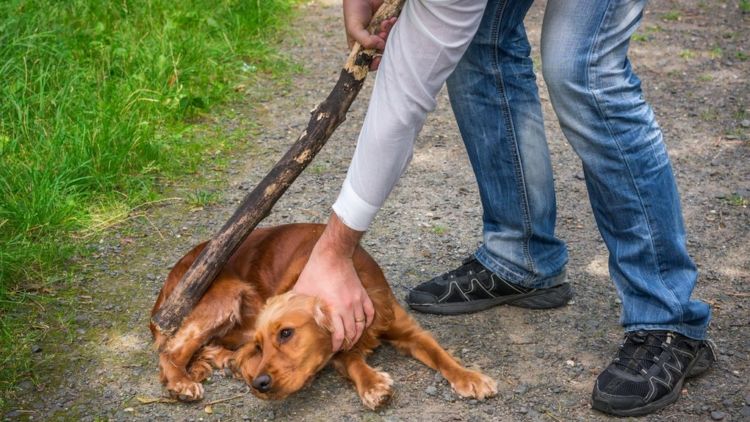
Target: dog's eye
258, 349
285, 334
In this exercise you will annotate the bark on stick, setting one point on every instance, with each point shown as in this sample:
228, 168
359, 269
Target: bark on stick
258, 203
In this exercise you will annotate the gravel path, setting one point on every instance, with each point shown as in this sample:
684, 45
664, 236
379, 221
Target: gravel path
693, 59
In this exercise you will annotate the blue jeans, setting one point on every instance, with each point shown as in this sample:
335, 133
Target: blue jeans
602, 112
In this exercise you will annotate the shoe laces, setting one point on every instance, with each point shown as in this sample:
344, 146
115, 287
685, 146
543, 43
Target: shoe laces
469, 265
641, 349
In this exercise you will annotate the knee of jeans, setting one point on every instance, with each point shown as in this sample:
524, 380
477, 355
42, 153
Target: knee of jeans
563, 75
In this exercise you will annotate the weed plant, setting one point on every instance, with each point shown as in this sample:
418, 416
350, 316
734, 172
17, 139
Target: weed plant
94, 99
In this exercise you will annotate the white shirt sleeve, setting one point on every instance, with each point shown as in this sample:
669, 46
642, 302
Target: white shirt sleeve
423, 48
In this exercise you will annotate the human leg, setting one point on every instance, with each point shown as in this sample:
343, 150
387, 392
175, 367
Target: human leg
494, 96
600, 105
598, 100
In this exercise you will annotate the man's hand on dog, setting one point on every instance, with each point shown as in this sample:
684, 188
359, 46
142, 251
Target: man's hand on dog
330, 275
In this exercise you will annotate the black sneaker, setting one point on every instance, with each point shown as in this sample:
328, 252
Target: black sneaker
472, 287
648, 372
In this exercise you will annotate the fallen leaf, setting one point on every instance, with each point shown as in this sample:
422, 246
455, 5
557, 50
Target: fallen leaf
151, 400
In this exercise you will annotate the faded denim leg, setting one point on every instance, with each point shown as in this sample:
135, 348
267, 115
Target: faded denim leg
494, 96
598, 99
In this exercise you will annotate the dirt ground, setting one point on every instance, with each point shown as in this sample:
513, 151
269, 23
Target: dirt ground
693, 59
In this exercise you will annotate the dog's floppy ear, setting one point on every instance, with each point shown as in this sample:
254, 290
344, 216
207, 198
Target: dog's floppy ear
321, 315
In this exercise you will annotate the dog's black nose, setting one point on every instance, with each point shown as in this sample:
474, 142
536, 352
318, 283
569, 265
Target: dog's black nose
262, 383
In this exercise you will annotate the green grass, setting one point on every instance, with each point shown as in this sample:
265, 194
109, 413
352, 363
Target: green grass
687, 54
737, 200
672, 16
200, 198
439, 229
96, 100
319, 168
745, 6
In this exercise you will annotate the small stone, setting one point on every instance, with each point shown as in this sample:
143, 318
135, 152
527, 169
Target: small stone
523, 410
448, 396
431, 390
36, 348
747, 399
570, 362
521, 389
128, 410
728, 403
705, 408
438, 377
745, 123
718, 415
579, 176
745, 411
473, 402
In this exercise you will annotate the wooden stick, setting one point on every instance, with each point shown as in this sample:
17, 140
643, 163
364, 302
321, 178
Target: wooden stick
258, 203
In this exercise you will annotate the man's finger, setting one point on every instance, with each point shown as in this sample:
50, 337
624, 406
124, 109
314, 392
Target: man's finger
350, 330
367, 40
375, 63
337, 337
360, 322
369, 310
385, 28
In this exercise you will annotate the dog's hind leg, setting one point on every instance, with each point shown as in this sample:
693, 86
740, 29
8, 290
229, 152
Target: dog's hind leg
373, 387
406, 335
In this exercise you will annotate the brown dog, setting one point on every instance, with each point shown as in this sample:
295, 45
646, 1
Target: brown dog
279, 347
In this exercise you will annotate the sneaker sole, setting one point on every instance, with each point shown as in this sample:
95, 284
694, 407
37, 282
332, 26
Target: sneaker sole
552, 297
700, 365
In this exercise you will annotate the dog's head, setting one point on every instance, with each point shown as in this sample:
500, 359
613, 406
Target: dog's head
292, 343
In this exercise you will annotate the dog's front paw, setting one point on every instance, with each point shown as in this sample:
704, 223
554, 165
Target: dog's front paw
378, 392
474, 384
185, 390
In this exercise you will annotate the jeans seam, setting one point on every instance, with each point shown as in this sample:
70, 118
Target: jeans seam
597, 101
520, 180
